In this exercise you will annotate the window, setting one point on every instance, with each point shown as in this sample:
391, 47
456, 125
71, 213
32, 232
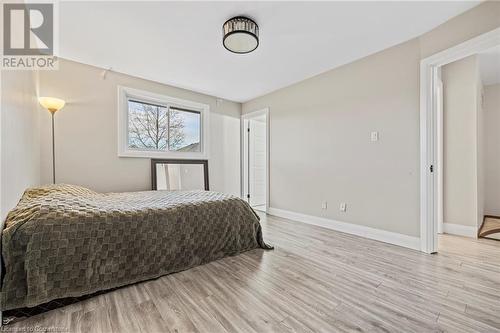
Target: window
153, 125
163, 128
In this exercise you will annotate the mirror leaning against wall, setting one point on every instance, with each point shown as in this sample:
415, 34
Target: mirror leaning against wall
179, 175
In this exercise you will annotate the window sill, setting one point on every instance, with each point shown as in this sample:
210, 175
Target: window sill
164, 155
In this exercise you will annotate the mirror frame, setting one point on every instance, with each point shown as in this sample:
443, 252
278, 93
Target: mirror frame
155, 161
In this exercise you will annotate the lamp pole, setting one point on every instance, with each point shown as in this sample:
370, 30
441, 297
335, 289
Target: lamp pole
52, 105
52, 113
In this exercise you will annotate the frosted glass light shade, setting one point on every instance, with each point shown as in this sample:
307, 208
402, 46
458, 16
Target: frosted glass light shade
51, 103
240, 42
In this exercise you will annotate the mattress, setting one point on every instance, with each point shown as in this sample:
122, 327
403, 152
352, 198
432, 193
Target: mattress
68, 241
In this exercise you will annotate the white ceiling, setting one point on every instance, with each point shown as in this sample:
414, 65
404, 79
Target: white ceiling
180, 43
489, 66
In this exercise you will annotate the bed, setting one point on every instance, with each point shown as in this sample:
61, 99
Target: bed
68, 241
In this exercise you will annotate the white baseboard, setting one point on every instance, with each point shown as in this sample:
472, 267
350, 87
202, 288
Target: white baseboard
349, 228
459, 230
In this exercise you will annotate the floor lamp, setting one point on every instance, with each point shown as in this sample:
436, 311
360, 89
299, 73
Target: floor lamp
52, 105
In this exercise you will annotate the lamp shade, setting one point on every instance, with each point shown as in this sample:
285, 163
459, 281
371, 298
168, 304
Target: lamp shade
52, 104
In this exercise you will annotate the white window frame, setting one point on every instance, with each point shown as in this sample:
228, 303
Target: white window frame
126, 93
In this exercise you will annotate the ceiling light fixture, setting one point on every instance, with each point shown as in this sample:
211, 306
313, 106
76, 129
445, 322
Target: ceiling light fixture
240, 35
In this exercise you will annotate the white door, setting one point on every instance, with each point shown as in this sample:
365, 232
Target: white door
440, 150
257, 161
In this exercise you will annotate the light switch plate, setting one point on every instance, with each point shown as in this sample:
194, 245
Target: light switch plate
374, 136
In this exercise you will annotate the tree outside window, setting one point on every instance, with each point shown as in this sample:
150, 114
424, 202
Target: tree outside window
163, 128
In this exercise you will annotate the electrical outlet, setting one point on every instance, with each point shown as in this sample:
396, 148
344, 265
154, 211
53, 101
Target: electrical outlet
324, 205
343, 207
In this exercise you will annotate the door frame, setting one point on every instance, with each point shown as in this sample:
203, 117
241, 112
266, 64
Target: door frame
247, 116
430, 156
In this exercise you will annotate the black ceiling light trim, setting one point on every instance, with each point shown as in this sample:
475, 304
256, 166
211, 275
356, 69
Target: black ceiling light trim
240, 27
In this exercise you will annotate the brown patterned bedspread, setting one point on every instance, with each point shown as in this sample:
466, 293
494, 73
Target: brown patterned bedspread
68, 241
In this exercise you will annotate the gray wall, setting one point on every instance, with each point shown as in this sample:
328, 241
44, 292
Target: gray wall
321, 148
20, 152
492, 149
463, 195
320, 132
86, 128
474, 22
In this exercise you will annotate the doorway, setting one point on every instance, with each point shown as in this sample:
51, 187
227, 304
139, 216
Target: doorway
255, 159
433, 207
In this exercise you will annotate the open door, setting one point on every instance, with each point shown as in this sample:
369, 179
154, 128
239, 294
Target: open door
440, 149
255, 159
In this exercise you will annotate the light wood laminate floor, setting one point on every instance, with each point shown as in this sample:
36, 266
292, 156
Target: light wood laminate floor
316, 280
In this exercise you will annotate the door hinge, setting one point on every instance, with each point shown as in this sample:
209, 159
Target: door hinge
432, 168
248, 196
248, 129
